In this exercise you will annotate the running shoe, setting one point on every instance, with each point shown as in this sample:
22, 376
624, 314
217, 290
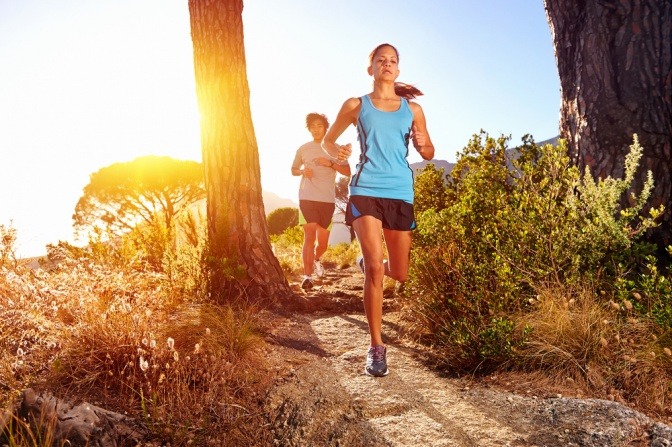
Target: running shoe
319, 269
307, 283
376, 361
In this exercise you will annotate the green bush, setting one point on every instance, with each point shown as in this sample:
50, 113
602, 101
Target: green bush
430, 189
514, 220
281, 219
648, 293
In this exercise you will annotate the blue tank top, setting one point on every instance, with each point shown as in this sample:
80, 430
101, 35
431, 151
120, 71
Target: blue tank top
382, 170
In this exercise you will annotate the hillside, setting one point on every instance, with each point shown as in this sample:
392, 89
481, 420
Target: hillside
438, 164
272, 202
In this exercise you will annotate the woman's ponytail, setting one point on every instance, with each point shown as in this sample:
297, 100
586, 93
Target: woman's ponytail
406, 90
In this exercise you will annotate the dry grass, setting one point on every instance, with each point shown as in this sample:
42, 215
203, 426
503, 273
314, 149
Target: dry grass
599, 348
120, 339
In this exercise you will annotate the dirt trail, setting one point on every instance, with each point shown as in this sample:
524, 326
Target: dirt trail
323, 398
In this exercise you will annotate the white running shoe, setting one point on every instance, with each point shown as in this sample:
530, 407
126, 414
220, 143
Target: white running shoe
319, 269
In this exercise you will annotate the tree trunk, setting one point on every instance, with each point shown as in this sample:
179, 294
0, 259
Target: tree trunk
242, 260
614, 60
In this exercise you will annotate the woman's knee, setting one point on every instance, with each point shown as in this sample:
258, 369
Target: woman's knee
398, 274
375, 270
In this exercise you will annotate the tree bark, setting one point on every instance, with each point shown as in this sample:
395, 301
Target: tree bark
614, 60
242, 262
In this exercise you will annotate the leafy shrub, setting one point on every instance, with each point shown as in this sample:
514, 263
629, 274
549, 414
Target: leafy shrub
430, 189
281, 219
648, 293
514, 220
147, 243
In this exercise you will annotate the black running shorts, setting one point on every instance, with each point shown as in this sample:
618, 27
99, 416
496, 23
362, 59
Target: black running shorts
320, 213
394, 214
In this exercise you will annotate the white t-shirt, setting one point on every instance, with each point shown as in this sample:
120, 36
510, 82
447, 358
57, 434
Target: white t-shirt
321, 186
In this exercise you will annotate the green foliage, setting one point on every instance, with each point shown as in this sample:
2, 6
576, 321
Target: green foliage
122, 195
649, 293
430, 189
290, 238
513, 220
281, 219
178, 251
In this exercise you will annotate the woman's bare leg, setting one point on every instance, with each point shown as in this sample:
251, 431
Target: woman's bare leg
369, 234
398, 249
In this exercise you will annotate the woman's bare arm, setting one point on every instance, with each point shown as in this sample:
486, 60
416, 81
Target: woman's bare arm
421, 141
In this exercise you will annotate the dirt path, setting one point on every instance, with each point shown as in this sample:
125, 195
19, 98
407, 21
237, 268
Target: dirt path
322, 397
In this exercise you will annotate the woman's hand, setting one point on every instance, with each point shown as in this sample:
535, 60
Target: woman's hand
419, 138
344, 151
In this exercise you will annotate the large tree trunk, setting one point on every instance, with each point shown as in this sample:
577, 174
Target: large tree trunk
242, 258
615, 64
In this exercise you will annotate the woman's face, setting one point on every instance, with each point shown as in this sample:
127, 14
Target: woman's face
385, 64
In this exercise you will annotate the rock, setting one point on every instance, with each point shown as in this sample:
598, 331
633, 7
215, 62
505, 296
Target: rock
79, 425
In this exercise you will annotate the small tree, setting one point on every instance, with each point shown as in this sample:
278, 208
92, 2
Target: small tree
123, 195
281, 219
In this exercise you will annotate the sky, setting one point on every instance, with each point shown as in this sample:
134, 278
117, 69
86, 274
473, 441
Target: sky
87, 84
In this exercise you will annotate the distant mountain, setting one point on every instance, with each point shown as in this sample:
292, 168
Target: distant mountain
438, 164
552, 141
273, 201
448, 166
